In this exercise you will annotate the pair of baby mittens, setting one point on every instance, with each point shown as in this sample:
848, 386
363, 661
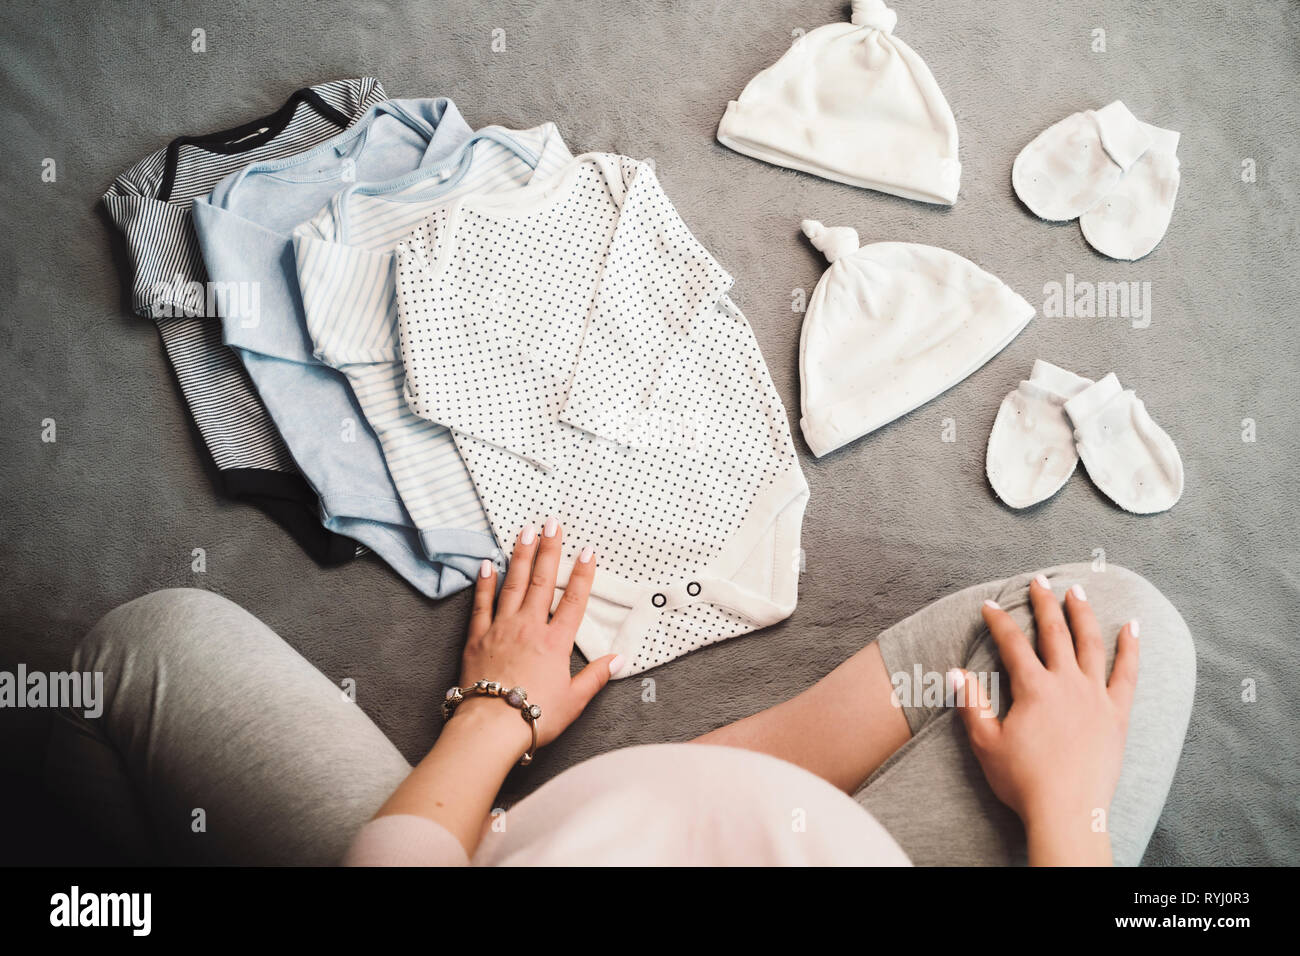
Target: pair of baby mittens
1114, 173
1055, 418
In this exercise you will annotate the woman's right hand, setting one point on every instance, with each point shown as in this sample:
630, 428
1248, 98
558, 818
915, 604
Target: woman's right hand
1055, 758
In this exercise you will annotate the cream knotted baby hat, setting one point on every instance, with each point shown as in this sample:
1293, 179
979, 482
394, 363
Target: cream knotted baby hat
891, 326
852, 103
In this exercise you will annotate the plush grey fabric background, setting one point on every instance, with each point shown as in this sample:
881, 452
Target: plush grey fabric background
115, 506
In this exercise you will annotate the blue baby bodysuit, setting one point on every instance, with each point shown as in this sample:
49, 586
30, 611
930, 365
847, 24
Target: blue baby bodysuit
345, 273
245, 233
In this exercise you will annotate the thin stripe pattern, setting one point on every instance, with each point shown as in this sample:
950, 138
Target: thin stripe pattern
345, 271
169, 279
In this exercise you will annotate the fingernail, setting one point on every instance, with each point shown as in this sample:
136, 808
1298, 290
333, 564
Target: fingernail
993, 604
1042, 582
550, 527
527, 535
1133, 627
586, 554
1078, 592
616, 665
956, 679
485, 569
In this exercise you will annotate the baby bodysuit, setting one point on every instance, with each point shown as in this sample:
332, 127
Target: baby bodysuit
345, 271
150, 205
580, 344
244, 230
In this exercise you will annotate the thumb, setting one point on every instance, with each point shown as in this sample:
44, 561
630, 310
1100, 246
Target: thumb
972, 702
587, 683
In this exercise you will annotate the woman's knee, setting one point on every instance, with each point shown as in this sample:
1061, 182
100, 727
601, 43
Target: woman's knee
1118, 595
155, 624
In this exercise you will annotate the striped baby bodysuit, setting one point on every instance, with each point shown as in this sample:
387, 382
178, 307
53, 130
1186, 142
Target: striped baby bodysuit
345, 271
245, 232
581, 345
150, 204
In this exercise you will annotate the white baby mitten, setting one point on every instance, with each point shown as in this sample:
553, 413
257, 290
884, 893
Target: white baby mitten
1071, 165
1132, 218
1128, 456
1031, 448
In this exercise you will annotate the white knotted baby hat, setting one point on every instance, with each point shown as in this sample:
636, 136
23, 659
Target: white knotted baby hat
852, 103
890, 326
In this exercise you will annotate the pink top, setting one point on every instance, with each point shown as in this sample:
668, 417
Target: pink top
665, 805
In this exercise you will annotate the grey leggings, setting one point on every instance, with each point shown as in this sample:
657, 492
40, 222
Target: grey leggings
931, 794
218, 743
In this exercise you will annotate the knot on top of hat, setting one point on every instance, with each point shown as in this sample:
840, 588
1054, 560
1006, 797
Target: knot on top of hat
835, 242
874, 14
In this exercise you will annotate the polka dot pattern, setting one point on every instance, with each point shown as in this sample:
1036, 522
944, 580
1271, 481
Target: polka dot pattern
591, 366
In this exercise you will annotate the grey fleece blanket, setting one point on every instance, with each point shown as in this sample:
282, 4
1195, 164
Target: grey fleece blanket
115, 506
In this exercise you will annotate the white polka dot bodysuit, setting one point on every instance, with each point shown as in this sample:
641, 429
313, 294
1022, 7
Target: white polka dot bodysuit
579, 343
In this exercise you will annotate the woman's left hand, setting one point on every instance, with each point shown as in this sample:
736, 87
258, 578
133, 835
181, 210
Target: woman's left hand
521, 643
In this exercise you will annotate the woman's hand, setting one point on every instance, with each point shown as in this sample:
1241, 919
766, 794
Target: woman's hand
1055, 759
522, 644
